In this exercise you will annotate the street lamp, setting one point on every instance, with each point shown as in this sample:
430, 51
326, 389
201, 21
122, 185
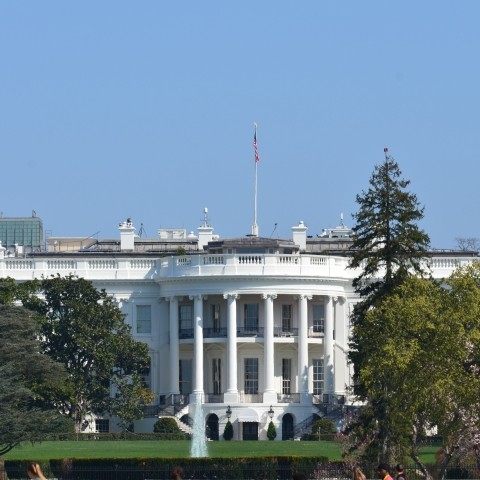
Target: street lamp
271, 412
229, 412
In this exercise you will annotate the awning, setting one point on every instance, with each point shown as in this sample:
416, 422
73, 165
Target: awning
248, 419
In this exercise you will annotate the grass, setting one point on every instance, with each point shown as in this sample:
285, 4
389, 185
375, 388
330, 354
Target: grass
168, 449
180, 449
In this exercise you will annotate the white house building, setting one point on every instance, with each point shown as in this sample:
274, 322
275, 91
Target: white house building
253, 328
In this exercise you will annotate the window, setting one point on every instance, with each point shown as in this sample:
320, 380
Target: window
144, 319
185, 380
146, 379
251, 375
317, 376
286, 376
251, 316
102, 425
217, 375
318, 313
286, 318
185, 314
215, 309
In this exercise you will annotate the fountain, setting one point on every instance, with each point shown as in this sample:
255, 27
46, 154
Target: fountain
199, 443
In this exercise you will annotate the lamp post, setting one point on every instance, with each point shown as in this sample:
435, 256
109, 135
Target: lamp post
271, 413
229, 412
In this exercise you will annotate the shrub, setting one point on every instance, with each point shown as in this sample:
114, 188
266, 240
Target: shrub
166, 425
228, 432
271, 431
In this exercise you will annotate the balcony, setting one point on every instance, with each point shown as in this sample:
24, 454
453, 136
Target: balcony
250, 332
185, 333
214, 333
251, 397
213, 398
284, 332
288, 397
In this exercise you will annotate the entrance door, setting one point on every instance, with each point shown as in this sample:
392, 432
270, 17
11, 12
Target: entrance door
212, 427
250, 431
287, 427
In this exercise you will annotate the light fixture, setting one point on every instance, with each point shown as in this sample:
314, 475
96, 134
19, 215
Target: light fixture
271, 412
229, 412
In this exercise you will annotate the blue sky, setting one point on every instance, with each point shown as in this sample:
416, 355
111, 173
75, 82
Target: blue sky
116, 109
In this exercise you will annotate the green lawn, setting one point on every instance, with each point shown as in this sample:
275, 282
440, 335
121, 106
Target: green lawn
168, 449
179, 449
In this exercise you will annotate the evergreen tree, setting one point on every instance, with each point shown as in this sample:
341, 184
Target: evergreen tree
388, 248
27, 377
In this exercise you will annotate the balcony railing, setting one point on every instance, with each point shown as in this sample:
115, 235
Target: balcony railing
213, 398
328, 399
250, 332
283, 332
251, 397
288, 397
214, 333
315, 333
185, 333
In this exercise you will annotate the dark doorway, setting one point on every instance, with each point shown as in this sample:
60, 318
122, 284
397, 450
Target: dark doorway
287, 427
211, 429
250, 431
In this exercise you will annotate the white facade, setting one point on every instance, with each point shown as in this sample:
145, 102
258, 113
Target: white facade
254, 324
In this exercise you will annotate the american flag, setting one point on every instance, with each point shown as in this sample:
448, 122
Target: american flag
255, 147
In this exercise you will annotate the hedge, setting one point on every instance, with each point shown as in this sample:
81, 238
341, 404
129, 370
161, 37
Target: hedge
248, 468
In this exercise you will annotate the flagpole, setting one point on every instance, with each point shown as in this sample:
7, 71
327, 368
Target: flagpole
255, 226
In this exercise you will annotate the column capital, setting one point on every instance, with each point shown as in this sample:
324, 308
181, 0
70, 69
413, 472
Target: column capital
234, 296
304, 296
265, 296
197, 297
339, 299
170, 299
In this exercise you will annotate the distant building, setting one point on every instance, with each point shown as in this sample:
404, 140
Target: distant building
255, 328
22, 235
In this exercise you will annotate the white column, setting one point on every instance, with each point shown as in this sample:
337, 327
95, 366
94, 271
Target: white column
231, 395
198, 345
328, 346
340, 347
303, 348
269, 394
174, 346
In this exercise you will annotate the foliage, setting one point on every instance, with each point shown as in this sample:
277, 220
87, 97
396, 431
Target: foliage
323, 426
166, 425
26, 378
271, 431
228, 432
83, 329
423, 371
388, 248
265, 468
388, 245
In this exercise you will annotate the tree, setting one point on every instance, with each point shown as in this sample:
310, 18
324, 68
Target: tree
388, 248
26, 379
228, 432
83, 329
271, 431
424, 370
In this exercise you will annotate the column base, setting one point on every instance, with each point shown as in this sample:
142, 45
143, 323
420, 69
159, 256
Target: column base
230, 397
270, 397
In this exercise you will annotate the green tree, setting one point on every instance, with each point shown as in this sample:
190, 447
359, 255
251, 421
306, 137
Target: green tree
424, 370
83, 329
228, 432
388, 248
27, 378
271, 431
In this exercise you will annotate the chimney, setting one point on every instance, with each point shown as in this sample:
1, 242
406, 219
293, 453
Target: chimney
300, 235
127, 236
205, 235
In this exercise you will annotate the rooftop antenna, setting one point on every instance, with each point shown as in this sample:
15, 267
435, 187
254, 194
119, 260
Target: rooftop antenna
205, 217
257, 159
341, 220
273, 231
